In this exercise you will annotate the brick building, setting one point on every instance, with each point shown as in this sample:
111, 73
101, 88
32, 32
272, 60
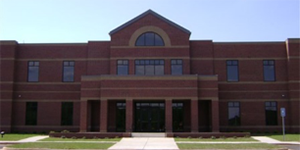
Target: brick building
150, 77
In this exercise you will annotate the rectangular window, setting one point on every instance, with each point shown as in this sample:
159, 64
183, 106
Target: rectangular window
67, 113
68, 71
232, 70
33, 71
176, 67
122, 67
234, 118
149, 67
271, 113
269, 70
31, 113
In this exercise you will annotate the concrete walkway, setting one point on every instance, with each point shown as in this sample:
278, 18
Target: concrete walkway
159, 143
33, 139
146, 143
30, 139
268, 140
265, 139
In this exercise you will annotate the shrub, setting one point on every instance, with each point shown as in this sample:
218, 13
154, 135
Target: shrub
213, 137
65, 131
51, 132
247, 136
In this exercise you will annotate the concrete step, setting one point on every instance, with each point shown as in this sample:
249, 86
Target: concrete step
148, 134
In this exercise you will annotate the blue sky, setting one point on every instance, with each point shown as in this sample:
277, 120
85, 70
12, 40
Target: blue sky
77, 21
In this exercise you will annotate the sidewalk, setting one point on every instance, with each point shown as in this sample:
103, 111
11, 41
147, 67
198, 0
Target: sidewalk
30, 139
146, 143
160, 143
268, 140
33, 139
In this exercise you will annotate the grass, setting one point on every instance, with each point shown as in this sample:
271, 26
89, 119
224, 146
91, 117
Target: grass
80, 139
52, 145
16, 137
288, 137
228, 146
217, 139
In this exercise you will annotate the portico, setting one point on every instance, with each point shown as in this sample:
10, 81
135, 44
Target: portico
185, 103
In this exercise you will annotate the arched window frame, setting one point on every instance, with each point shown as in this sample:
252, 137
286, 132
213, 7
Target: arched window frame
156, 41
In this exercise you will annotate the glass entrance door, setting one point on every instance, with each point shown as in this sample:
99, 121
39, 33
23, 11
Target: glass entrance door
150, 117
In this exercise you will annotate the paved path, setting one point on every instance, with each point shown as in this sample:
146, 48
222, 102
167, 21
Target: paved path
217, 142
161, 143
146, 143
265, 139
33, 139
268, 140
30, 139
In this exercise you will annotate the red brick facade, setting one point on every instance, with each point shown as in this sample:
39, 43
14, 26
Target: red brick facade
202, 88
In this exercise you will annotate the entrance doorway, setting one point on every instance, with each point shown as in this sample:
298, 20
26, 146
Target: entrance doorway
149, 117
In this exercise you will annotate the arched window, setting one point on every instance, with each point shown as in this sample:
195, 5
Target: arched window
149, 39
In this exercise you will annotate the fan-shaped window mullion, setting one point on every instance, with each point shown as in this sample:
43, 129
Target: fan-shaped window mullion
149, 39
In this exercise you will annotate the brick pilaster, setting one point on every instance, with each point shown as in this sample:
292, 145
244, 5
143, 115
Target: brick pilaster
129, 115
103, 115
194, 116
215, 115
83, 116
169, 115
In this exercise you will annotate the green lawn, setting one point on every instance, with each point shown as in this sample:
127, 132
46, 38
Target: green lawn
228, 146
56, 145
16, 137
217, 139
80, 139
288, 137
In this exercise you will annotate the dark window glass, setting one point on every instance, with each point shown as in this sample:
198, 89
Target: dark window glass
234, 113
178, 117
31, 113
122, 67
33, 71
232, 70
149, 117
121, 117
68, 74
149, 39
269, 70
176, 67
140, 41
67, 113
158, 40
149, 67
271, 113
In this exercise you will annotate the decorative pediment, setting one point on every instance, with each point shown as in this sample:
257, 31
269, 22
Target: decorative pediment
154, 14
